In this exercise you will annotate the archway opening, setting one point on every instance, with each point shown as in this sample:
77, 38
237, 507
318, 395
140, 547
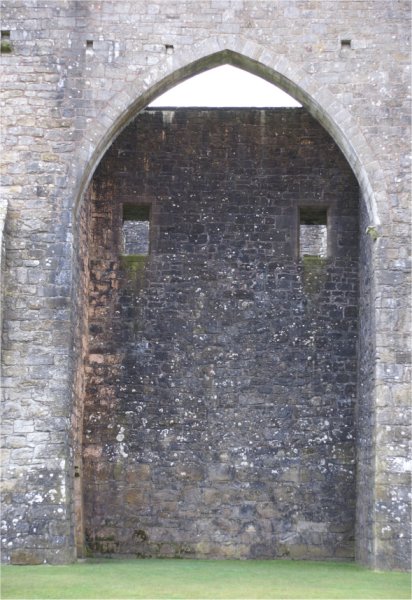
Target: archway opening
221, 377
225, 86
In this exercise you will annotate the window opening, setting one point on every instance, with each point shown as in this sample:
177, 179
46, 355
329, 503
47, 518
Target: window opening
313, 232
135, 229
5, 41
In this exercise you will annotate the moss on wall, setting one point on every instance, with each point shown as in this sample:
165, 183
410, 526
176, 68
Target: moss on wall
314, 274
133, 266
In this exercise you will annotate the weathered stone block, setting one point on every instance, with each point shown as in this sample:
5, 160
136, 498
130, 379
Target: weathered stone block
26, 557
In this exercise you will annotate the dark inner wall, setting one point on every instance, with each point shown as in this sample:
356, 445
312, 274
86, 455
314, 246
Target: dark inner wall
221, 381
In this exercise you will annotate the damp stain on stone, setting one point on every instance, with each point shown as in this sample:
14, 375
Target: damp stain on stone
133, 266
314, 274
140, 535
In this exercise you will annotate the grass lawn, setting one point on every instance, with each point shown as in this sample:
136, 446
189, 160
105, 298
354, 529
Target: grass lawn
202, 579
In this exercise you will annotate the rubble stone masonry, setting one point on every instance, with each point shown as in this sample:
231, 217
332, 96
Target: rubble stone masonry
221, 282
219, 408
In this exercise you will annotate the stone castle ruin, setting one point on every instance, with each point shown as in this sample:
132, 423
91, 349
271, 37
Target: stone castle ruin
205, 311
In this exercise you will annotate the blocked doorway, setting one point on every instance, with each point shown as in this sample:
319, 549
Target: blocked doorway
221, 378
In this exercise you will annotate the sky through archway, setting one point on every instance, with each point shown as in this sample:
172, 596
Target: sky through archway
225, 86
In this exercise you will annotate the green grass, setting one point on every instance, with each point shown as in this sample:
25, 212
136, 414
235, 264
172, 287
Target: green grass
202, 579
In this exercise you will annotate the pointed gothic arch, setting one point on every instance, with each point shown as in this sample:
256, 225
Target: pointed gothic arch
251, 57
260, 61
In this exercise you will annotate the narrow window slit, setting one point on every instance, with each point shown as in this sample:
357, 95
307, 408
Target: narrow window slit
89, 48
5, 41
313, 232
136, 229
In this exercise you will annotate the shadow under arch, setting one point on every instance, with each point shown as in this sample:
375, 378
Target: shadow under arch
318, 101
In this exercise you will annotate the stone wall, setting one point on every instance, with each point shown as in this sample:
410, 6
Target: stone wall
76, 74
219, 409
365, 410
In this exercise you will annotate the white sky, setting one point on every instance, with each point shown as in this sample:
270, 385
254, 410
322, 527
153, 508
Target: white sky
225, 86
